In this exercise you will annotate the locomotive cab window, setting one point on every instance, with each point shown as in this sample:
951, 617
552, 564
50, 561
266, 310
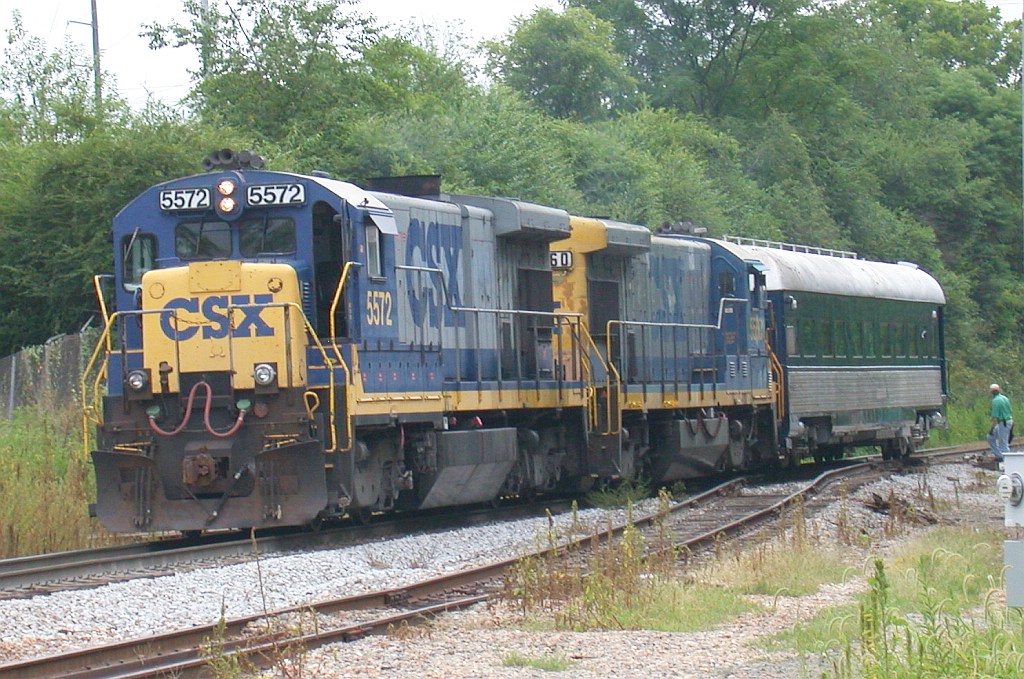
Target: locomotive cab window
756, 285
726, 284
374, 252
267, 236
202, 240
138, 254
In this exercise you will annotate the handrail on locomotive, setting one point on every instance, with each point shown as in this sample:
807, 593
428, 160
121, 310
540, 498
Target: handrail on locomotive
573, 321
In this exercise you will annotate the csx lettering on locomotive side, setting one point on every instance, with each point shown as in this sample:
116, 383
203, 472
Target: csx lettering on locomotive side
431, 246
214, 310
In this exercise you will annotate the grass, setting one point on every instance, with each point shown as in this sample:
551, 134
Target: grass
633, 584
928, 612
548, 663
621, 494
968, 420
45, 483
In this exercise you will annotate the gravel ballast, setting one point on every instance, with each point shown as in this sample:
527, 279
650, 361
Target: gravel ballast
471, 643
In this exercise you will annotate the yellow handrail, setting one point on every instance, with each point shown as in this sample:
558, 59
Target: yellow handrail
337, 298
780, 381
610, 371
99, 296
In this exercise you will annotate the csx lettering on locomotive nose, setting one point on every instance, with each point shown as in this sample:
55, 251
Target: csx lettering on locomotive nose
214, 311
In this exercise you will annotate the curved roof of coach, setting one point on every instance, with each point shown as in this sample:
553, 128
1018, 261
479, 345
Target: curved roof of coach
827, 274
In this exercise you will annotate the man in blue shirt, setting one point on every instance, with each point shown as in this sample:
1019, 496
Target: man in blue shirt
1002, 423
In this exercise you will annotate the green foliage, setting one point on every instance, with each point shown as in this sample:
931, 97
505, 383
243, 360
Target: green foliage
920, 616
47, 95
566, 63
56, 203
622, 494
688, 54
261, 61
913, 626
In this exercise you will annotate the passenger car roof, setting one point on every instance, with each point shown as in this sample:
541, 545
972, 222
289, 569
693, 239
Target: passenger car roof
827, 274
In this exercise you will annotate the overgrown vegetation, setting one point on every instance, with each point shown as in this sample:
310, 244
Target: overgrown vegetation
928, 612
45, 483
632, 582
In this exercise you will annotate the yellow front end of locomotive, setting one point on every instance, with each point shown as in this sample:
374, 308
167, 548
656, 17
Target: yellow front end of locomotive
224, 317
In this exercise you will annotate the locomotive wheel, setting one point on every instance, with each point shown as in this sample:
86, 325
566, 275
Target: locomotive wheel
361, 515
898, 449
828, 454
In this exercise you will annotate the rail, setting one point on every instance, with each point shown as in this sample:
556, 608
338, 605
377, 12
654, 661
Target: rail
160, 655
514, 346
780, 381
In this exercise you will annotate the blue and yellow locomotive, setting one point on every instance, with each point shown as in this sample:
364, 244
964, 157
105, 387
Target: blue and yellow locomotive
288, 348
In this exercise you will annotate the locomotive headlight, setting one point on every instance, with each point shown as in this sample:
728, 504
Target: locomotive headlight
264, 374
137, 380
227, 204
226, 187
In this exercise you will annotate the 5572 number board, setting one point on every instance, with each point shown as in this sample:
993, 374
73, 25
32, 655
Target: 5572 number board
275, 194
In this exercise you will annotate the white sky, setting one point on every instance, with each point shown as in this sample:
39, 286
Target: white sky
163, 74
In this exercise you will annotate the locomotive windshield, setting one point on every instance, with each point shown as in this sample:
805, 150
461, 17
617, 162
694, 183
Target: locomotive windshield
210, 239
267, 236
202, 240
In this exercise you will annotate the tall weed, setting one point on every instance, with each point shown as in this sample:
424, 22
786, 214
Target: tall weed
45, 483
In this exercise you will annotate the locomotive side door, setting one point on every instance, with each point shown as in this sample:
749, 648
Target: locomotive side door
331, 250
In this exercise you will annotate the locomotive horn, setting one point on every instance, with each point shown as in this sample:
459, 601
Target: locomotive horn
208, 163
225, 157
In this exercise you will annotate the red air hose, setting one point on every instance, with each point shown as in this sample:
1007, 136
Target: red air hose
206, 415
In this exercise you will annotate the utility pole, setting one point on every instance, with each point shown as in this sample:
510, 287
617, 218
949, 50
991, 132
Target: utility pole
205, 48
97, 83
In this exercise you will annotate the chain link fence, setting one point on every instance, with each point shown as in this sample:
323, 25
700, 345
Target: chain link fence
51, 373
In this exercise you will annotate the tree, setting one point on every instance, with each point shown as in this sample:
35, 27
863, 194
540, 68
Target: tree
689, 53
954, 34
264, 64
566, 63
56, 209
46, 95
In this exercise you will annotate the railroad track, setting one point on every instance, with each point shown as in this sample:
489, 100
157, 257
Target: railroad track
24, 577
697, 521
